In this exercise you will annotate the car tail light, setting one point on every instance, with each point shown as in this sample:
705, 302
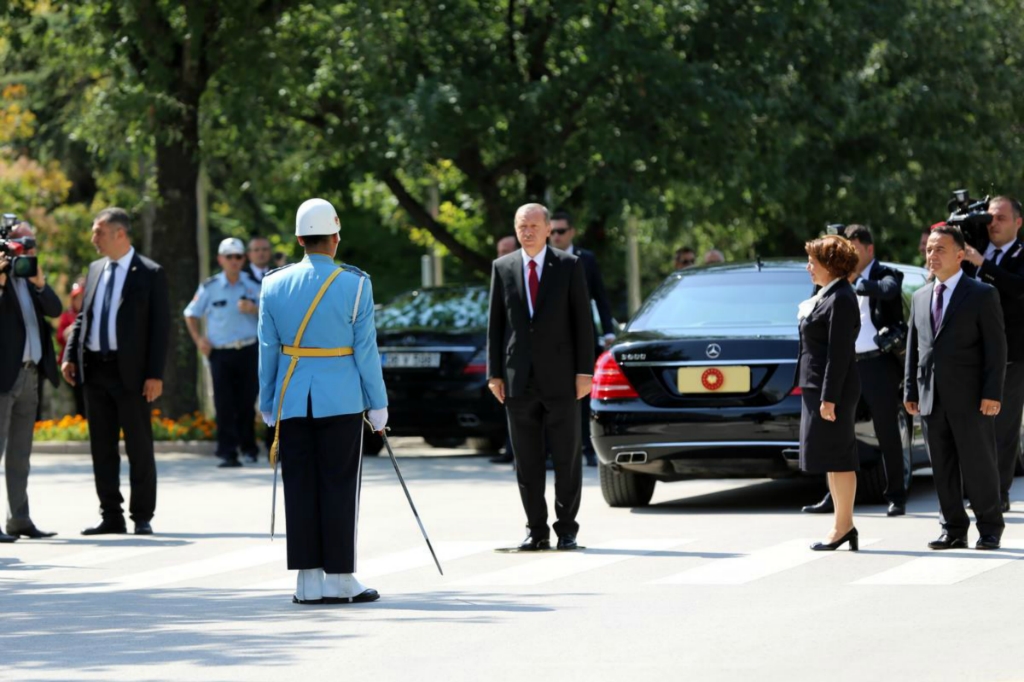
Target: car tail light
796, 391
609, 381
477, 364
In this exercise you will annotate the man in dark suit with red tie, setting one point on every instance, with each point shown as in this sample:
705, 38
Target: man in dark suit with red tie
117, 348
540, 362
956, 359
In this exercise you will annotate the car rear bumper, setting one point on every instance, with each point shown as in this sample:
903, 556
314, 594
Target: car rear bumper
465, 413
675, 445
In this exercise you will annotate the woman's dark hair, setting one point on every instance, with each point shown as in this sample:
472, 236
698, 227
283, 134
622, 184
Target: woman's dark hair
835, 254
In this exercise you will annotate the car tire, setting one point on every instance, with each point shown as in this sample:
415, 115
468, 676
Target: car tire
1019, 471
444, 441
625, 488
491, 445
906, 424
373, 443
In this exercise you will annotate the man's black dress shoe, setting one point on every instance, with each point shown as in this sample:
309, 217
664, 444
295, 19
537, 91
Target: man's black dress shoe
4, 537
823, 507
501, 459
947, 541
31, 533
567, 542
107, 527
532, 544
987, 542
229, 463
896, 509
143, 528
366, 595
307, 602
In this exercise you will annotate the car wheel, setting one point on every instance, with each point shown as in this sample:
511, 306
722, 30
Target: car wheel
906, 424
444, 441
625, 488
871, 484
1020, 460
373, 443
491, 444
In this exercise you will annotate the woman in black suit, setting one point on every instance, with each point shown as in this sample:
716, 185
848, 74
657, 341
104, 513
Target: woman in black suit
829, 383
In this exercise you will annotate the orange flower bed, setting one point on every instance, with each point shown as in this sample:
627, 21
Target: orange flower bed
193, 426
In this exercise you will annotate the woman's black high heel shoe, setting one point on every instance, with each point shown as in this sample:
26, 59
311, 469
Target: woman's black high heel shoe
852, 537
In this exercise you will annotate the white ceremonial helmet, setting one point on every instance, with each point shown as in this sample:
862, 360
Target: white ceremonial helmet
316, 216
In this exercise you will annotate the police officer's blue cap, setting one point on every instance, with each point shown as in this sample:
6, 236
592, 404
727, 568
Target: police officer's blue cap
316, 217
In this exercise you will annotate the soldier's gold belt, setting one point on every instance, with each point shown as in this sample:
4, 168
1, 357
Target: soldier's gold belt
297, 352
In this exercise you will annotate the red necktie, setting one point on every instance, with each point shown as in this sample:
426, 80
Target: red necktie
534, 282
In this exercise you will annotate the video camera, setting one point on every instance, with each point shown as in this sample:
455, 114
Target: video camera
971, 216
21, 265
836, 228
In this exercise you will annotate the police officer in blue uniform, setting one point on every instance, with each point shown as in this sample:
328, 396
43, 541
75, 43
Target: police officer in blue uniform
319, 371
229, 302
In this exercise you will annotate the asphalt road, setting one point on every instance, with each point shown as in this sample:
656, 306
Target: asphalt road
713, 581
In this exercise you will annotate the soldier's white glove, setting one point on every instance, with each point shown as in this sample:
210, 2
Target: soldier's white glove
268, 418
378, 418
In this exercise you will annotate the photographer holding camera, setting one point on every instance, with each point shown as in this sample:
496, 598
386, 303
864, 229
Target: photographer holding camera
1002, 265
26, 356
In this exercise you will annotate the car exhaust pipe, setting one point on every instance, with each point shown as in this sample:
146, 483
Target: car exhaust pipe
631, 458
468, 420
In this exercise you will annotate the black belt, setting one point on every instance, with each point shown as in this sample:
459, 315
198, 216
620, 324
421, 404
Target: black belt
869, 355
101, 357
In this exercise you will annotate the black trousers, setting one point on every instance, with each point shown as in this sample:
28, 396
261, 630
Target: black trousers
539, 425
110, 408
1008, 426
962, 447
880, 387
321, 469
235, 374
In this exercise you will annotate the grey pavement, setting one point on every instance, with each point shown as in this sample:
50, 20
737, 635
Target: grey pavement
713, 581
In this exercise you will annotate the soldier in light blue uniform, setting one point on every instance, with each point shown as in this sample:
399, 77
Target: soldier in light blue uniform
318, 349
229, 303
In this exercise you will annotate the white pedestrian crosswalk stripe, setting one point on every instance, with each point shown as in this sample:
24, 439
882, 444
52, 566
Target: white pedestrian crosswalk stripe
754, 566
396, 562
946, 567
143, 567
548, 567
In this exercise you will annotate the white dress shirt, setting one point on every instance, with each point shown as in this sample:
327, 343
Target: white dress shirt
539, 260
259, 272
950, 284
123, 263
866, 338
990, 251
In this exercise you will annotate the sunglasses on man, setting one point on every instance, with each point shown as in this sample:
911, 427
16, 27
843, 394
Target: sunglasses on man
234, 256
560, 230
686, 261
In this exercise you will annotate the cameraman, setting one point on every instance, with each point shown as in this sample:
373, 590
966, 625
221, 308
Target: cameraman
882, 335
26, 355
1002, 266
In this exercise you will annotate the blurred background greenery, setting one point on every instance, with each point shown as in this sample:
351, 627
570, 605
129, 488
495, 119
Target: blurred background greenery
742, 125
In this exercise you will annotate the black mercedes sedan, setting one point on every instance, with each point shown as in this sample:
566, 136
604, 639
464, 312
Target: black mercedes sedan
703, 384
432, 345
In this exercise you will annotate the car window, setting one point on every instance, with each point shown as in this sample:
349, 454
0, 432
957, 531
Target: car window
445, 309
731, 299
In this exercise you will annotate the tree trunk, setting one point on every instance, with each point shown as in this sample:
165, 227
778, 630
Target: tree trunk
174, 247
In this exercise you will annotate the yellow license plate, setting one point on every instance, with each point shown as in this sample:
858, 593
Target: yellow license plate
713, 380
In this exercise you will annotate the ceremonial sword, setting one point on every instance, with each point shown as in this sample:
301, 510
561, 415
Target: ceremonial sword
412, 506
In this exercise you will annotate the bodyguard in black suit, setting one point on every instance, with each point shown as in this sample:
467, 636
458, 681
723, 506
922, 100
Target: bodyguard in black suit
956, 358
540, 361
562, 235
880, 298
117, 348
26, 357
1002, 266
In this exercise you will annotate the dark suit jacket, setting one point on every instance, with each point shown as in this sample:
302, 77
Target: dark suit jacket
595, 285
827, 343
1008, 279
12, 333
965, 362
247, 268
883, 287
143, 322
557, 344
